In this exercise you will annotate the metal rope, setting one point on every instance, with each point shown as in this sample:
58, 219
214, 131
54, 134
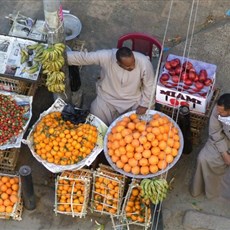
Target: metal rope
187, 36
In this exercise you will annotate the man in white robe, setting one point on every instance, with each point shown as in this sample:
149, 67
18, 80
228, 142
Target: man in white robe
125, 84
212, 176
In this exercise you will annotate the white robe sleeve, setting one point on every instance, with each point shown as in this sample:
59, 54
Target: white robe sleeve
216, 134
86, 58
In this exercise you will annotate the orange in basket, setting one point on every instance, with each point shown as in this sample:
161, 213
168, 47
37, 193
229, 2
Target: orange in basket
9, 187
61, 142
141, 147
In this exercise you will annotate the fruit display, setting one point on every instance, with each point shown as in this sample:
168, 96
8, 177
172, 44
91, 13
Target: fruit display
61, 142
139, 147
12, 118
189, 76
52, 63
108, 189
10, 195
154, 189
52, 60
27, 58
72, 192
135, 209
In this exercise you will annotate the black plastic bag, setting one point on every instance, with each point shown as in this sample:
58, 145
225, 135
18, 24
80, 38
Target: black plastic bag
74, 78
74, 115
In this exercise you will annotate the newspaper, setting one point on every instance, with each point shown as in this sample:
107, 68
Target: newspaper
26, 102
10, 57
54, 168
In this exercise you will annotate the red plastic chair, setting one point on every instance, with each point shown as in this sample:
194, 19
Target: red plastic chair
141, 42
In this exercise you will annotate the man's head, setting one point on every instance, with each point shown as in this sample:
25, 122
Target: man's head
223, 105
125, 58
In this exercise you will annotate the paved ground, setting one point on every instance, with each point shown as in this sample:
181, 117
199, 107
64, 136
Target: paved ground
103, 22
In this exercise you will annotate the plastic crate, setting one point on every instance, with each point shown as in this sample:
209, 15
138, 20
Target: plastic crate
108, 190
16, 213
8, 159
197, 121
17, 86
72, 192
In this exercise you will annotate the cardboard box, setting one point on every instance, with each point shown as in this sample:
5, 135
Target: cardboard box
175, 95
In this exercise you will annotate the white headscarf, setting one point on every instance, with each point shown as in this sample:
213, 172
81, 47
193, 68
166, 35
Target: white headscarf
225, 120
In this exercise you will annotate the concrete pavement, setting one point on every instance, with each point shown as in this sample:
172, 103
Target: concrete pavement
103, 22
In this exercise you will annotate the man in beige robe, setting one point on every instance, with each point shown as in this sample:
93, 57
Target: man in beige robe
126, 81
212, 176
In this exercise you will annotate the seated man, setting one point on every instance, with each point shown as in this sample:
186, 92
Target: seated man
212, 175
125, 84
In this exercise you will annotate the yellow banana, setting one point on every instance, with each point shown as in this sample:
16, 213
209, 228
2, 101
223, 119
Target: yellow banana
39, 46
57, 45
33, 69
32, 47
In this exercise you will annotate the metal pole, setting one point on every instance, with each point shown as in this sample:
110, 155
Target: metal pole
156, 217
27, 187
56, 33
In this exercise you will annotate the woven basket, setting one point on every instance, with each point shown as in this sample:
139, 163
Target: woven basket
141, 213
72, 192
16, 213
108, 190
17, 86
8, 159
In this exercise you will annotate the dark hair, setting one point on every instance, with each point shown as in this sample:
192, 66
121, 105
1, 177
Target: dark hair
224, 100
123, 52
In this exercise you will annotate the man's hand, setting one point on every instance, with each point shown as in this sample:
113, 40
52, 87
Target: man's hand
141, 110
226, 158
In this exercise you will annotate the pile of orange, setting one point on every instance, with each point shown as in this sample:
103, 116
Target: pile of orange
135, 207
141, 147
9, 187
106, 195
70, 195
61, 142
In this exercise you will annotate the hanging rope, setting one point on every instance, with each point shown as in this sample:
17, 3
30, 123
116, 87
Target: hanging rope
154, 88
159, 61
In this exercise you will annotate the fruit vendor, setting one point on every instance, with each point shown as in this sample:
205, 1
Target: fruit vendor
212, 175
125, 83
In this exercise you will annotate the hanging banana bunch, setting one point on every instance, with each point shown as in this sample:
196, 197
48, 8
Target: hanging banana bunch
52, 62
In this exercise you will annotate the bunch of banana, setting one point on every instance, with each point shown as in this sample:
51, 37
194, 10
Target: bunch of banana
53, 53
33, 69
54, 65
56, 88
154, 189
35, 46
39, 53
24, 55
56, 77
52, 60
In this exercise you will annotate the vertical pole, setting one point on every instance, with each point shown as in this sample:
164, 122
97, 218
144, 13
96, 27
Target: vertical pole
56, 34
156, 217
27, 187
185, 126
